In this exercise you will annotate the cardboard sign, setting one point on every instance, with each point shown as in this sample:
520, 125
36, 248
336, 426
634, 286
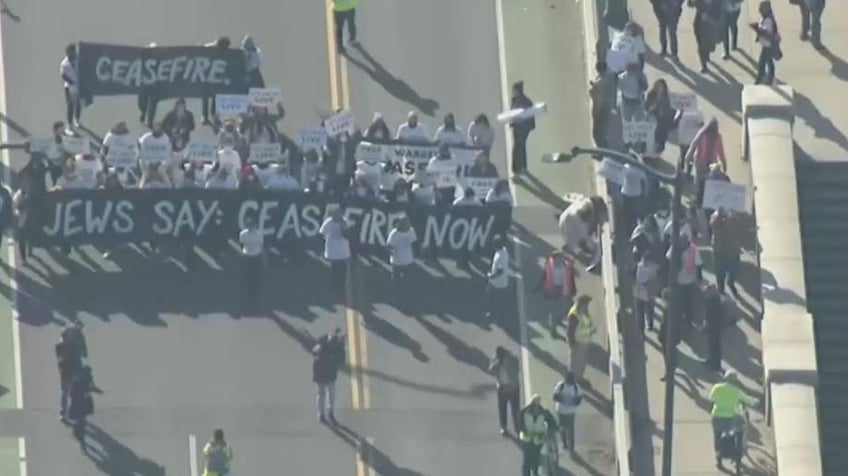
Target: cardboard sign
623, 51
611, 170
312, 138
263, 153
122, 151
75, 145
202, 150
230, 106
688, 127
683, 101
638, 132
481, 185
41, 145
154, 151
725, 195
264, 97
339, 122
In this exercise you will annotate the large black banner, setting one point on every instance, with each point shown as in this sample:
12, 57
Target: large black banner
108, 217
189, 71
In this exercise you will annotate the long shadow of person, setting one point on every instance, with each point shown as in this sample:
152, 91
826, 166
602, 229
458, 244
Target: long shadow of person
378, 461
839, 67
393, 85
113, 458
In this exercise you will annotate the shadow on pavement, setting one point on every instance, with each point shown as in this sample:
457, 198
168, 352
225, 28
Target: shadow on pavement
839, 67
823, 126
393, 85
474, 391
113, 458
375, 459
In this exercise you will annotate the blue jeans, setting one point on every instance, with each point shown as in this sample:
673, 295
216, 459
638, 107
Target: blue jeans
765, 66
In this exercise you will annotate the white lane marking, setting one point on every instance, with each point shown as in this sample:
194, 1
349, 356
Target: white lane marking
192, 455
522, 313
13, 280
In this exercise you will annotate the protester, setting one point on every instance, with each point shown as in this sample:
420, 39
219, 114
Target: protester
344, 12
154, 177
148, 100
505, 368
69, 180
497, 290
448, 133
217, 456
424, 193
221, 179
400, 193
57, 155
480, 132
559, 284
251, 239
633, 190
70, 78
483, 167
412, 130
229, 135
229, 158
730, 32
708, 24
336, 245
499, 193
811, 25
602, 92
632, 85
768, 37
536, 422
400, 241
443, 169
658, 107
727, 248
69, 356
328, 357
260, 125
521, 128
468, 199
21, 203
688, 278
714, 320
154, 142
208, 102
645, 288
33, 176
310, 170
580, 332
378, 129
81, 403
707, 148
252, 63
89, 168
668, 15
567, 397
178, 124
118, 133
249, 181
282, 179
716, 174
579, 224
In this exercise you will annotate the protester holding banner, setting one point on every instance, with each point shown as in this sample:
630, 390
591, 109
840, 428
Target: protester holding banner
148, 100
154, 176
90, 170
500, 193
33, 176
282, 179
230, 135
336, 245
483, 167
260, 125
178, 125
706, 149
424, 193
119, 147
480, 132
442, 168
521, 128
448, 133
69, 180
252, 63
70, 78
208, 103
377, 129
400, 242
56, 154
412, 130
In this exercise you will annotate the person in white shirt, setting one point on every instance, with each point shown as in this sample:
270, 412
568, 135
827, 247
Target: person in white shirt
69, 180
499, 193
633, 186
400, 242
336, 245
153, 177
155, 146
579, 223
424, 193
443, 168
480, 133
68, 71
769, 39
567, 398
497, 291
372, 172
228, 158
119, 137
282, 180
89, 169
252, 241
448, 133
222, 180
412, 130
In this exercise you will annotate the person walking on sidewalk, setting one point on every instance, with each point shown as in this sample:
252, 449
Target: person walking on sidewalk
769, 38
688, 277
708, 25
811, 15
497, 290
730, 32
668, 15
567, 397
727, 248
558, 281
726, 398
714, 321
505, 368
344, 11
521, 129
644, 291
581, 331
602, 92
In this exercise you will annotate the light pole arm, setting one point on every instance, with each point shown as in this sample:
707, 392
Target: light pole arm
625, 158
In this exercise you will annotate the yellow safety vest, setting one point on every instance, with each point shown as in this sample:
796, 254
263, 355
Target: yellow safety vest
535, 425
344, 5
585, 326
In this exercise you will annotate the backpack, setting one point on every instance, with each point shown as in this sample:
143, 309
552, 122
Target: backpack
218, 459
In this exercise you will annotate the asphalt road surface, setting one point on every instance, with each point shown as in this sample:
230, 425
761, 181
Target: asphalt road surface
167, 345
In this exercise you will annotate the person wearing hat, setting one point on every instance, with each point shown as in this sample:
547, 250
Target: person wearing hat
535, 421
559, 284
581, 331
521, 128
726, 398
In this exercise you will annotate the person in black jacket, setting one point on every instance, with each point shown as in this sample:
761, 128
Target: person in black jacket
208, 101
668, 14
520, 129
708, 23
81, 403
69, 356
714, 321
178, 124
329, 355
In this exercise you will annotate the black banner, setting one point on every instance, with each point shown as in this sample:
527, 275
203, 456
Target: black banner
171, 71
75, 217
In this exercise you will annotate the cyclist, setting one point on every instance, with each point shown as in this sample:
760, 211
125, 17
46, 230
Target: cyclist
726, 398
535, 422
218, 455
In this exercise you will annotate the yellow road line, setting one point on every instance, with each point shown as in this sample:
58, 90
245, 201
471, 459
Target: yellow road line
352, 342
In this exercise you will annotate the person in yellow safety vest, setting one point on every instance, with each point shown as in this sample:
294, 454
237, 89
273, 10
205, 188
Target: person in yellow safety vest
344, 11
726, 398
581, 331
217, 455
535, 421
559, 283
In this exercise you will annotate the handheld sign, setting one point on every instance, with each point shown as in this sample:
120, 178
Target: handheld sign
684, 101
638, 132
481, 185
41, 145
339, 122
154, 151
312, 138
202, 150
262, 153
264, 97
514, 115
611, 170
229, 106
727, 195
688, 127
122, 151
75, 145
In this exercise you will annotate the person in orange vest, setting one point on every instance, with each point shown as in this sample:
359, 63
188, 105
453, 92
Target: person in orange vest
559, 283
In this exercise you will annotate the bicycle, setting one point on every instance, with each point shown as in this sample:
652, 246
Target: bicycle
734, 444
550, 452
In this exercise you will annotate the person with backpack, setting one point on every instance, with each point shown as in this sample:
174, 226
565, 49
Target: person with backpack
567, 397
217, 455
329, 355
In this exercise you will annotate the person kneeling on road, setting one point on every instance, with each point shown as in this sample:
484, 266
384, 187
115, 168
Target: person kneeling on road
535, 421
579, 223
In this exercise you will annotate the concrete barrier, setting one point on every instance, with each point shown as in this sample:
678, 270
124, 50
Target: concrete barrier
789, 347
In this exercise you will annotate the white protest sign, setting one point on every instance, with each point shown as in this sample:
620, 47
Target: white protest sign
513, 115
263, 153
611, 170
638, 132
481, 185
155, 151
41, 145
75, 145
264, 97
122, 151
339, 122
230, 106
727, 195
202, 150
689, 125
368, 152
409, 161
683, 101
312, 138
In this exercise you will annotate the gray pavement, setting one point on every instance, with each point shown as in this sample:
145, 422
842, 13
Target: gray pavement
167, 347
